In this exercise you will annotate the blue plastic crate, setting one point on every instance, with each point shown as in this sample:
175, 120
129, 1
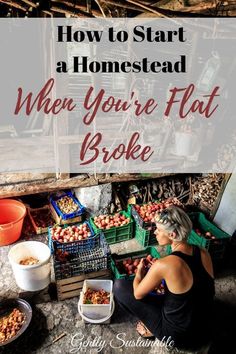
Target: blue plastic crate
83, 262
80, 211
89, 243
155, 293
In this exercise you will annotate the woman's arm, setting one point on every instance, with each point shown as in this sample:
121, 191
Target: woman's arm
207, 262
143, 284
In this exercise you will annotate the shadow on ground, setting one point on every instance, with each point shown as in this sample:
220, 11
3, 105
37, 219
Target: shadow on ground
224, 329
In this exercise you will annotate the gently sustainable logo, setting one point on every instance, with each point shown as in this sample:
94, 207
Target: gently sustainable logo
80, 343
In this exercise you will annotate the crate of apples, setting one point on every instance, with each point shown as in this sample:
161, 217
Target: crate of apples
71, 233
207, 234
106, 222
129, 266
145, 214
73, 239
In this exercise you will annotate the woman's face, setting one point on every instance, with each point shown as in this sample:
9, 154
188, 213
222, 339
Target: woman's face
162, 236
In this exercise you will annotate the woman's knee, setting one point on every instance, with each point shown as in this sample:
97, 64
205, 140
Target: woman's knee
122, 288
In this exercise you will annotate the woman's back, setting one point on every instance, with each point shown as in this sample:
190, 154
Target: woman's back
188, 301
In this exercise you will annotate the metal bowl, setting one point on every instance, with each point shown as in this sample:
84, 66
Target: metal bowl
6, 306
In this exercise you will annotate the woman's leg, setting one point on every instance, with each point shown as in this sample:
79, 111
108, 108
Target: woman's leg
148, 310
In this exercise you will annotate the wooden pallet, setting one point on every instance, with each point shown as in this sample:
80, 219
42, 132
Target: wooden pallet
71, 287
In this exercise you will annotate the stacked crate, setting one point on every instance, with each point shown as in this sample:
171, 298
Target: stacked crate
144, 231
62, 217
116, 234
79, 260
216, 246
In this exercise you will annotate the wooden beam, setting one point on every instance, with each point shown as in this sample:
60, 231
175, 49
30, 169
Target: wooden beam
82, 9
62, 8
30, 3
14, 4
103, 8
145, 8
53, 184
123, 4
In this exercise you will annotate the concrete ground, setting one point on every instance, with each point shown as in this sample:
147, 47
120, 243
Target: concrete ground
52, 319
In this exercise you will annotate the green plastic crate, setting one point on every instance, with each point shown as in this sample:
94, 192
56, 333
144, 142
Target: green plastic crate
138, 254
215, 247
145, 237
116, 234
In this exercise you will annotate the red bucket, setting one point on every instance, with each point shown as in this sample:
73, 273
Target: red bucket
12, 215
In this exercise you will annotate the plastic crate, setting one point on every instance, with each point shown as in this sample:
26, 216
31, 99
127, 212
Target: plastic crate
60, 221
145, 225
145, 237
148, 225
216, 247
133, 255
91, 242
116, 234
83, 262
98, 311
31, 212
168, 250
55, 198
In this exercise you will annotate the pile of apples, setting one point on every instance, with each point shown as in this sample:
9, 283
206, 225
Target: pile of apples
70, 233
206, 234
106, 222
129, 265
149, 211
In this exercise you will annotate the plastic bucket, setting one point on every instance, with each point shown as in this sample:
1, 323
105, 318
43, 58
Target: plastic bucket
98, 311
12, 215
97, 321
31, 277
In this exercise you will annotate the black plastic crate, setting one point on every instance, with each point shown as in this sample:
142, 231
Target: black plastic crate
82, 262
143, 224
217, 246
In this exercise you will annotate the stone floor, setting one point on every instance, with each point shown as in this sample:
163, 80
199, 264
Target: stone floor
52, 319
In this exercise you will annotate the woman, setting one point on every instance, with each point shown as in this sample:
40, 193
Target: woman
184, 312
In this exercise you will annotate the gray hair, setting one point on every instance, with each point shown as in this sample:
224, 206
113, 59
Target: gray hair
174, 219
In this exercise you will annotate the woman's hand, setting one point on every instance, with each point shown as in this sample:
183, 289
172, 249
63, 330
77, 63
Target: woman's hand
144, 282
141, 270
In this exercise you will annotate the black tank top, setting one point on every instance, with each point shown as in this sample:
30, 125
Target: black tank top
186, 317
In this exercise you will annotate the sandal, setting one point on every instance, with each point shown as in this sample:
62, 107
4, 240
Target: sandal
143, 331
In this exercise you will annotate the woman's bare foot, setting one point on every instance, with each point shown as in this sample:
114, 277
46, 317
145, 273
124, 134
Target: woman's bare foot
143, 331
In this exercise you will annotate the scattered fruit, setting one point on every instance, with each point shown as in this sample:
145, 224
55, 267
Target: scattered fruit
70, 233
105, 222
96, 297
